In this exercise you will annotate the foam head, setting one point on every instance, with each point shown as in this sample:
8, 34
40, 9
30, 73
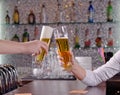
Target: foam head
46, 32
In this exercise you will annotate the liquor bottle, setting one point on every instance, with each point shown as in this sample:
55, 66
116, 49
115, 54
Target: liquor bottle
15, 38
7, 18
110, 38
43, 14
36, 31
87, 41
90, 12
72, 13
25, 36
31, 18
59, 14
62, 16
16, 16
76, 38
98, 39
109, 12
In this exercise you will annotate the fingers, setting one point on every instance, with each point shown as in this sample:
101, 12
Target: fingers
62, 60
44, 45
37, 52
40, 46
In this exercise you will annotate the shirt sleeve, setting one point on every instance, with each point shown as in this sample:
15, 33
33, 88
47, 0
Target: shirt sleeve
104, 72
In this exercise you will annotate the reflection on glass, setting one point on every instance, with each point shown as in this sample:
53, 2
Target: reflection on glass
46, 35
63, 46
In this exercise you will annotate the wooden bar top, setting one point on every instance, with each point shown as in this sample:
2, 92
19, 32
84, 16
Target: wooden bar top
57, 87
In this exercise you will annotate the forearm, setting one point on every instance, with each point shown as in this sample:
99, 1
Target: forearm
103, 73
86, 76
11, 47
78, 71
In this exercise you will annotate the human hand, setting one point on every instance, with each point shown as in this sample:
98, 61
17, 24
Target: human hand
74, 67
66, 60
35, 47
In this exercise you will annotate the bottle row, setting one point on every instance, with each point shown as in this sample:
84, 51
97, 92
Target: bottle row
31, 16
76, 38
26, 35
98, 39
60, 15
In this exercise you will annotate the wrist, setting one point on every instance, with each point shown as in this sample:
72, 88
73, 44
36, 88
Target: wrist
78, 71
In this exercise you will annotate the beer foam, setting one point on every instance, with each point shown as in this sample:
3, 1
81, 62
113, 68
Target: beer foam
46, 32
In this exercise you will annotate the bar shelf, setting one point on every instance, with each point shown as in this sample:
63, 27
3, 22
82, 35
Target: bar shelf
63, 23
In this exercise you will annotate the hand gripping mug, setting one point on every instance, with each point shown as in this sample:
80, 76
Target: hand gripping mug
63, 48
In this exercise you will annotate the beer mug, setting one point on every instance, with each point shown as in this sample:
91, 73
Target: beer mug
37, 60
63, 48
46, 35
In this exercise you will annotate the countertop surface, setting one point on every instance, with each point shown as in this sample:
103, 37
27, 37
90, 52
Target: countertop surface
58, 87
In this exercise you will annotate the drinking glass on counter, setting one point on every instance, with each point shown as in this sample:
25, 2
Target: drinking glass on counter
46, 35
63, 48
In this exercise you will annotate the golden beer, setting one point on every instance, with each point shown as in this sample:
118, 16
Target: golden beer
63, 51
46, 35
40, 57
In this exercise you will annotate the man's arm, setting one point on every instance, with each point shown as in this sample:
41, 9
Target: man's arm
31, 47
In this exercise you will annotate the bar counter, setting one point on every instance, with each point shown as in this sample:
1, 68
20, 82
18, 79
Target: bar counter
57, 87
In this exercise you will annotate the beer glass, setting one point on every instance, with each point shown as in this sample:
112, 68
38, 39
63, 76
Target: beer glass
46, 35
63, 48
